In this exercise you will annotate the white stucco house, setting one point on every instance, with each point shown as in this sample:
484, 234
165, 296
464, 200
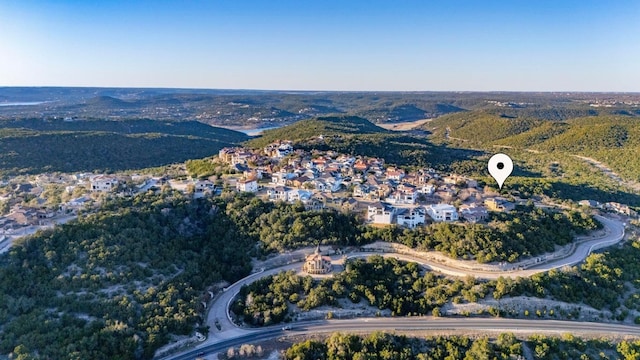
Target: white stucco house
247, 185
442, 212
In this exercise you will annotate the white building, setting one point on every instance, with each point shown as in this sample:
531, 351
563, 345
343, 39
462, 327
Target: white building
203, 186
278, 193
298, 195
442, 212
380, 214
427, 189
247, 185
281, 178
284, 150
103, 183
411, 217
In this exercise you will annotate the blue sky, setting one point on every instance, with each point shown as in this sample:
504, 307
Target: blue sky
323, 45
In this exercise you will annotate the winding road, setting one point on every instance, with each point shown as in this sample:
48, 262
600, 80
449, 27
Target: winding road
232, 335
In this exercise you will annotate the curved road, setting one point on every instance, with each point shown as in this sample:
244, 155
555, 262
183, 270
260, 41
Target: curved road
230, 333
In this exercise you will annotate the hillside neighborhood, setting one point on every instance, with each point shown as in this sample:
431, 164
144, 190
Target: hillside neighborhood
379, 194
365, 186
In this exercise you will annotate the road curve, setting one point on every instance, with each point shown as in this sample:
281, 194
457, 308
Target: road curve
219, 309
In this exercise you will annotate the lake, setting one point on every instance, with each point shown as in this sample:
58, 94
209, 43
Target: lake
25, 103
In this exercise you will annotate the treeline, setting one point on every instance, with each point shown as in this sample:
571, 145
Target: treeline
526, 231
381, 345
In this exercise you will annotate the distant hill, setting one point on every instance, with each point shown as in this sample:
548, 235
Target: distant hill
325, 126
479, 126
143, 126
34, 146
391, 112
613, 140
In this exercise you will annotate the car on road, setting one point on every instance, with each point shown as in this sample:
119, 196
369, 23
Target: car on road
286, 328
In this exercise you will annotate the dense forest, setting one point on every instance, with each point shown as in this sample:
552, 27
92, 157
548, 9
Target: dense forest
117, 284
35, 146
505, 346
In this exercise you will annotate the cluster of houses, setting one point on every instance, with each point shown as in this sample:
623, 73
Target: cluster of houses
362, 185
610, 206
29, 205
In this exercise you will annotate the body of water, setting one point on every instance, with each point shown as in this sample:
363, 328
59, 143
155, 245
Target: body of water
24, 103
258, 131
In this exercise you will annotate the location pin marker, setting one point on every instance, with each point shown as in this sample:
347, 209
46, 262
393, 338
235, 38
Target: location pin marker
500, 167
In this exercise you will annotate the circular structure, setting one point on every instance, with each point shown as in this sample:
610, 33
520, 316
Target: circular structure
316, 263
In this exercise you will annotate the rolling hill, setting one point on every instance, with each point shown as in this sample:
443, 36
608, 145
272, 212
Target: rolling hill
611, 139
34, 146
321, 126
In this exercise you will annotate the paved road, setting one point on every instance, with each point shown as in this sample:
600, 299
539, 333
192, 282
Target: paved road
614, 234
416, 324
229, 331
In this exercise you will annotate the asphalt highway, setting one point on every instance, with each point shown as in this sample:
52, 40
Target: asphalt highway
415, 324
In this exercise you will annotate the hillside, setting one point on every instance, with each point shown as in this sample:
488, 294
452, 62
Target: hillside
479, 126
34, 146
545, 151
321, 126
357, 136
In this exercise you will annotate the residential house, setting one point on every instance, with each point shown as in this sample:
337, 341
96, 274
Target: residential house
280, 178
247, 185
473, 213
319, 185
411, 217
349, 205
499, 204
442, 212
360, 166
380, 213
361, 190
427, 189
253, 174
103, 183
299, 181
294, 195
240, 157
284, 150
278, 193
589, 203
619, 208
204, 187
226, 154
395, 174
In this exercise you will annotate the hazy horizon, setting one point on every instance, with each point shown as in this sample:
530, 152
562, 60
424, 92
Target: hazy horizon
412, 46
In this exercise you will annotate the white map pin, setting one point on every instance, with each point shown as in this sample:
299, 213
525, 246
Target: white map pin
500, 167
